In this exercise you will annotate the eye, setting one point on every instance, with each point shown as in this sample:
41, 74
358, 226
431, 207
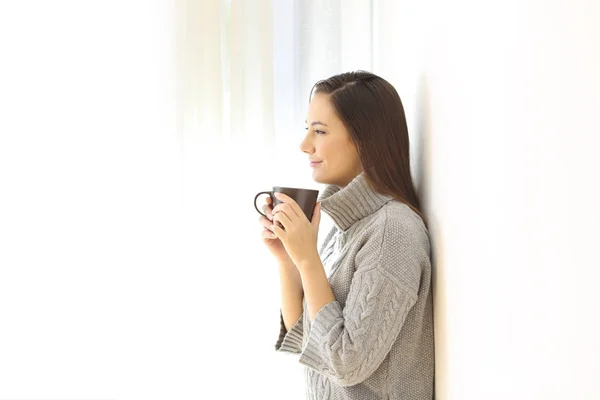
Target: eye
316, 130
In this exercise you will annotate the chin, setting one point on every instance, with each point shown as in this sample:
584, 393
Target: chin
318, 178
321, 179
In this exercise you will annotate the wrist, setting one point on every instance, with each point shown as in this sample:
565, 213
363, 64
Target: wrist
286, 263
309, 263
288, 272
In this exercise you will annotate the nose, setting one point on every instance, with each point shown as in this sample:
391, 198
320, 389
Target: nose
306, 146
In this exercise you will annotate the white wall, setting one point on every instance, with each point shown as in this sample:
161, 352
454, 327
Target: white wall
502, 100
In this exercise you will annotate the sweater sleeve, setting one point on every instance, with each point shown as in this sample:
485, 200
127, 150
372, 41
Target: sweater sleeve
347, 345
290, 342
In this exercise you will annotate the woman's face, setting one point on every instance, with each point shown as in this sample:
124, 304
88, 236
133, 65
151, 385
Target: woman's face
327, 143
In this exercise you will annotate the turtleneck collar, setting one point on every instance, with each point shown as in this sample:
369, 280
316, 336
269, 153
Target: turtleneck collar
349, 204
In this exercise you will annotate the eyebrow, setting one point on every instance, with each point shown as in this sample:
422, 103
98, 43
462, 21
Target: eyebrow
316, 123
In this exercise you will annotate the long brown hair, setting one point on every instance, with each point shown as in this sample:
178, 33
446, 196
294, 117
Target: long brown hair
372, 112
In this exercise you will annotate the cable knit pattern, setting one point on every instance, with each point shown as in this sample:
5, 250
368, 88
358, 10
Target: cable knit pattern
375, 341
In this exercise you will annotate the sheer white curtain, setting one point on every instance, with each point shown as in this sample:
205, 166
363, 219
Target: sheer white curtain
248, 68
243, 91
245, 73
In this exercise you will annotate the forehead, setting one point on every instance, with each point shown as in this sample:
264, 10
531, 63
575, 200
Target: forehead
320, 109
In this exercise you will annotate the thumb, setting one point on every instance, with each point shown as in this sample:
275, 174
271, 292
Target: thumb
316, 218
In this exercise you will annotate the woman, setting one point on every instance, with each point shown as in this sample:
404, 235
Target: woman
364, 329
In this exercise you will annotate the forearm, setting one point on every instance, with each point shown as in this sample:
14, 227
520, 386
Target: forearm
291, 293
316, 286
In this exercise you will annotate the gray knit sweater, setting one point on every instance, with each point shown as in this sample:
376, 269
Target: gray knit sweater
375, 341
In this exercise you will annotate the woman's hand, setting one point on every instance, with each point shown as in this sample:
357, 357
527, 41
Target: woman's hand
300, 235
273, 244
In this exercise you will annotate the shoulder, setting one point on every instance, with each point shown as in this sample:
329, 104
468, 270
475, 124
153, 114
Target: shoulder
396, 221
396, 241
393, 218
400, 223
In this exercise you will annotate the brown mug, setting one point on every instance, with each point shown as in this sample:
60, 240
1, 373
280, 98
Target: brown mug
306, 199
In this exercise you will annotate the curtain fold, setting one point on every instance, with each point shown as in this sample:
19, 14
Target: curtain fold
246, 68
226, 72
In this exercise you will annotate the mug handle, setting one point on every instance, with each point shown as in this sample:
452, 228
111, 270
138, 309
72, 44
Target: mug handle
256, 198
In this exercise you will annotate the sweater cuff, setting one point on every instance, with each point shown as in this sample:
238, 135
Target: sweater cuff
327, 317
290, 342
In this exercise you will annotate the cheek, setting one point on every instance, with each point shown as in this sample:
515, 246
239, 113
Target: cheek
340, 161
356, 159
351, 156
338, 156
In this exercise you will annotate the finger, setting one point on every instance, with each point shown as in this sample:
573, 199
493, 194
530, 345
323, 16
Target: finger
269, 201
268, 211
267, 234
287, 209
278, 231
265, 223
283, 219
285, 199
